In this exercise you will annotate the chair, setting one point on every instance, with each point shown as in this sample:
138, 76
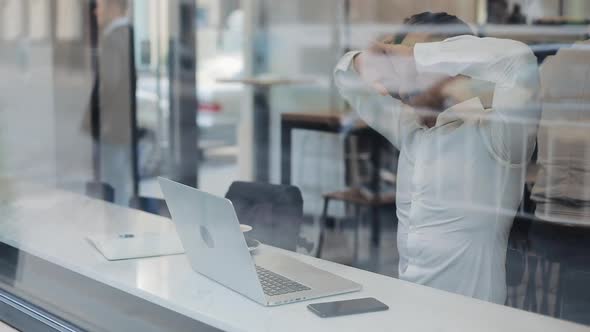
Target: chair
274, 211
100, 190
562, 246
355, 198
362, 163
517, 254
151, 205
575, 294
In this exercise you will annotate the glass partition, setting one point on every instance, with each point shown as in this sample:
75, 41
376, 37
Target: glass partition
442, 143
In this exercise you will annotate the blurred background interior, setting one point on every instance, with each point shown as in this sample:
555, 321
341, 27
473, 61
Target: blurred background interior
242, 90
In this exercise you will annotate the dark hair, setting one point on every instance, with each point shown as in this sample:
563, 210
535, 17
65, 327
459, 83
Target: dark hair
431, 23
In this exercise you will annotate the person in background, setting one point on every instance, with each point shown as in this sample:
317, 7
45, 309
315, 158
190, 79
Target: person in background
497, 11
463, 150
115, 97
516, 17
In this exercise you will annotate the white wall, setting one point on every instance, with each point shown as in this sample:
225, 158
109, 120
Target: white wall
579, 9
27, 131
44, 94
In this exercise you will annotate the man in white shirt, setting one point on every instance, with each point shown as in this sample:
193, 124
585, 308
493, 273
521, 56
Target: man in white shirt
461, 167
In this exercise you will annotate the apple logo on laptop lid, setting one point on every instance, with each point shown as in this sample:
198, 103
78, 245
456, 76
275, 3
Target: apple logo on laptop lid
206, 237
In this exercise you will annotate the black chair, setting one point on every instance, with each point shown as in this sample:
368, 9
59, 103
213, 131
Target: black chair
274, 211
576, 292
564, 247
151, 205
101, 191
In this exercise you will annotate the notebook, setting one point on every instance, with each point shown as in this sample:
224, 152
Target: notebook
131, 246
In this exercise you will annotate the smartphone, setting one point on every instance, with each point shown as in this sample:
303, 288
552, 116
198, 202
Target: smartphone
349, 307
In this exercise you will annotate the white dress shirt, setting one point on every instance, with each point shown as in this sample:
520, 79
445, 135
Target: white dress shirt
460, 182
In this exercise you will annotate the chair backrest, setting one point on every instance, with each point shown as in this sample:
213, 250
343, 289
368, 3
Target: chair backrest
274, 211
151, 205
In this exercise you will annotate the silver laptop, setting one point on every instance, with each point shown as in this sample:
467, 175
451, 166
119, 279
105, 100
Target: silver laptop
216, 248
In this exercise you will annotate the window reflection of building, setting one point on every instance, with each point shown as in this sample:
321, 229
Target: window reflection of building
69, 18
11, 19
39, 26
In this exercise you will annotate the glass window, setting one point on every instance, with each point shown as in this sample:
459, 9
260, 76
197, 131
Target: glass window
187, 164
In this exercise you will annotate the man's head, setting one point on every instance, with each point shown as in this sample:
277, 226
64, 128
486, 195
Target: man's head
108, 10
428, 27
424, 93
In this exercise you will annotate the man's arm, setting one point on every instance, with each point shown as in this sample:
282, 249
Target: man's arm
372, 102
510, 129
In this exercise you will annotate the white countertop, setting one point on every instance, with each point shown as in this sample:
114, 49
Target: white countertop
54, 224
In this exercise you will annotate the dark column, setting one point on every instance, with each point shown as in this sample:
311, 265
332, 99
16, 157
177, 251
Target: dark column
561, 7
375, 187
262, 108
183, 130
286, 145
94, 99
262, 133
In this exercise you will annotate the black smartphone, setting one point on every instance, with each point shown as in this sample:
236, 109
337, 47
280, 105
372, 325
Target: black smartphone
349, 307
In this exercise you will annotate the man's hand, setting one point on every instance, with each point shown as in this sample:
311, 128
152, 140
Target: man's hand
384, 65
434, 98
390, 69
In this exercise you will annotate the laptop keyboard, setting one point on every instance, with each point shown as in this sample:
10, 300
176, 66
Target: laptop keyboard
274, 284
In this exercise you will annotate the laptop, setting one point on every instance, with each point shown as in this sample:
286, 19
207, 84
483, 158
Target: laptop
216, 248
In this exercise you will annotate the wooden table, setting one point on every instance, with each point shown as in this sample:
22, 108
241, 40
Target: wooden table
332, 122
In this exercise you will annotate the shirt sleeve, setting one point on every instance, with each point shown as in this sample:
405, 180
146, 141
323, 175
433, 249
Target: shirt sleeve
385, 114
510, 128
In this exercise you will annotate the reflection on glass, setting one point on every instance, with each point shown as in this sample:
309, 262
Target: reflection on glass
12, 19
115, 97
39, 25
562, 191
438, 113
70, 20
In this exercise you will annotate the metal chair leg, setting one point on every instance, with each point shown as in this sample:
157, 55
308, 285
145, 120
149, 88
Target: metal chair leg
546, 267
559, 293
323, 219
530, 299
357, 219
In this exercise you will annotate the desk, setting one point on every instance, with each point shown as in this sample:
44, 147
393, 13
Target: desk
52, 225
331, 123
